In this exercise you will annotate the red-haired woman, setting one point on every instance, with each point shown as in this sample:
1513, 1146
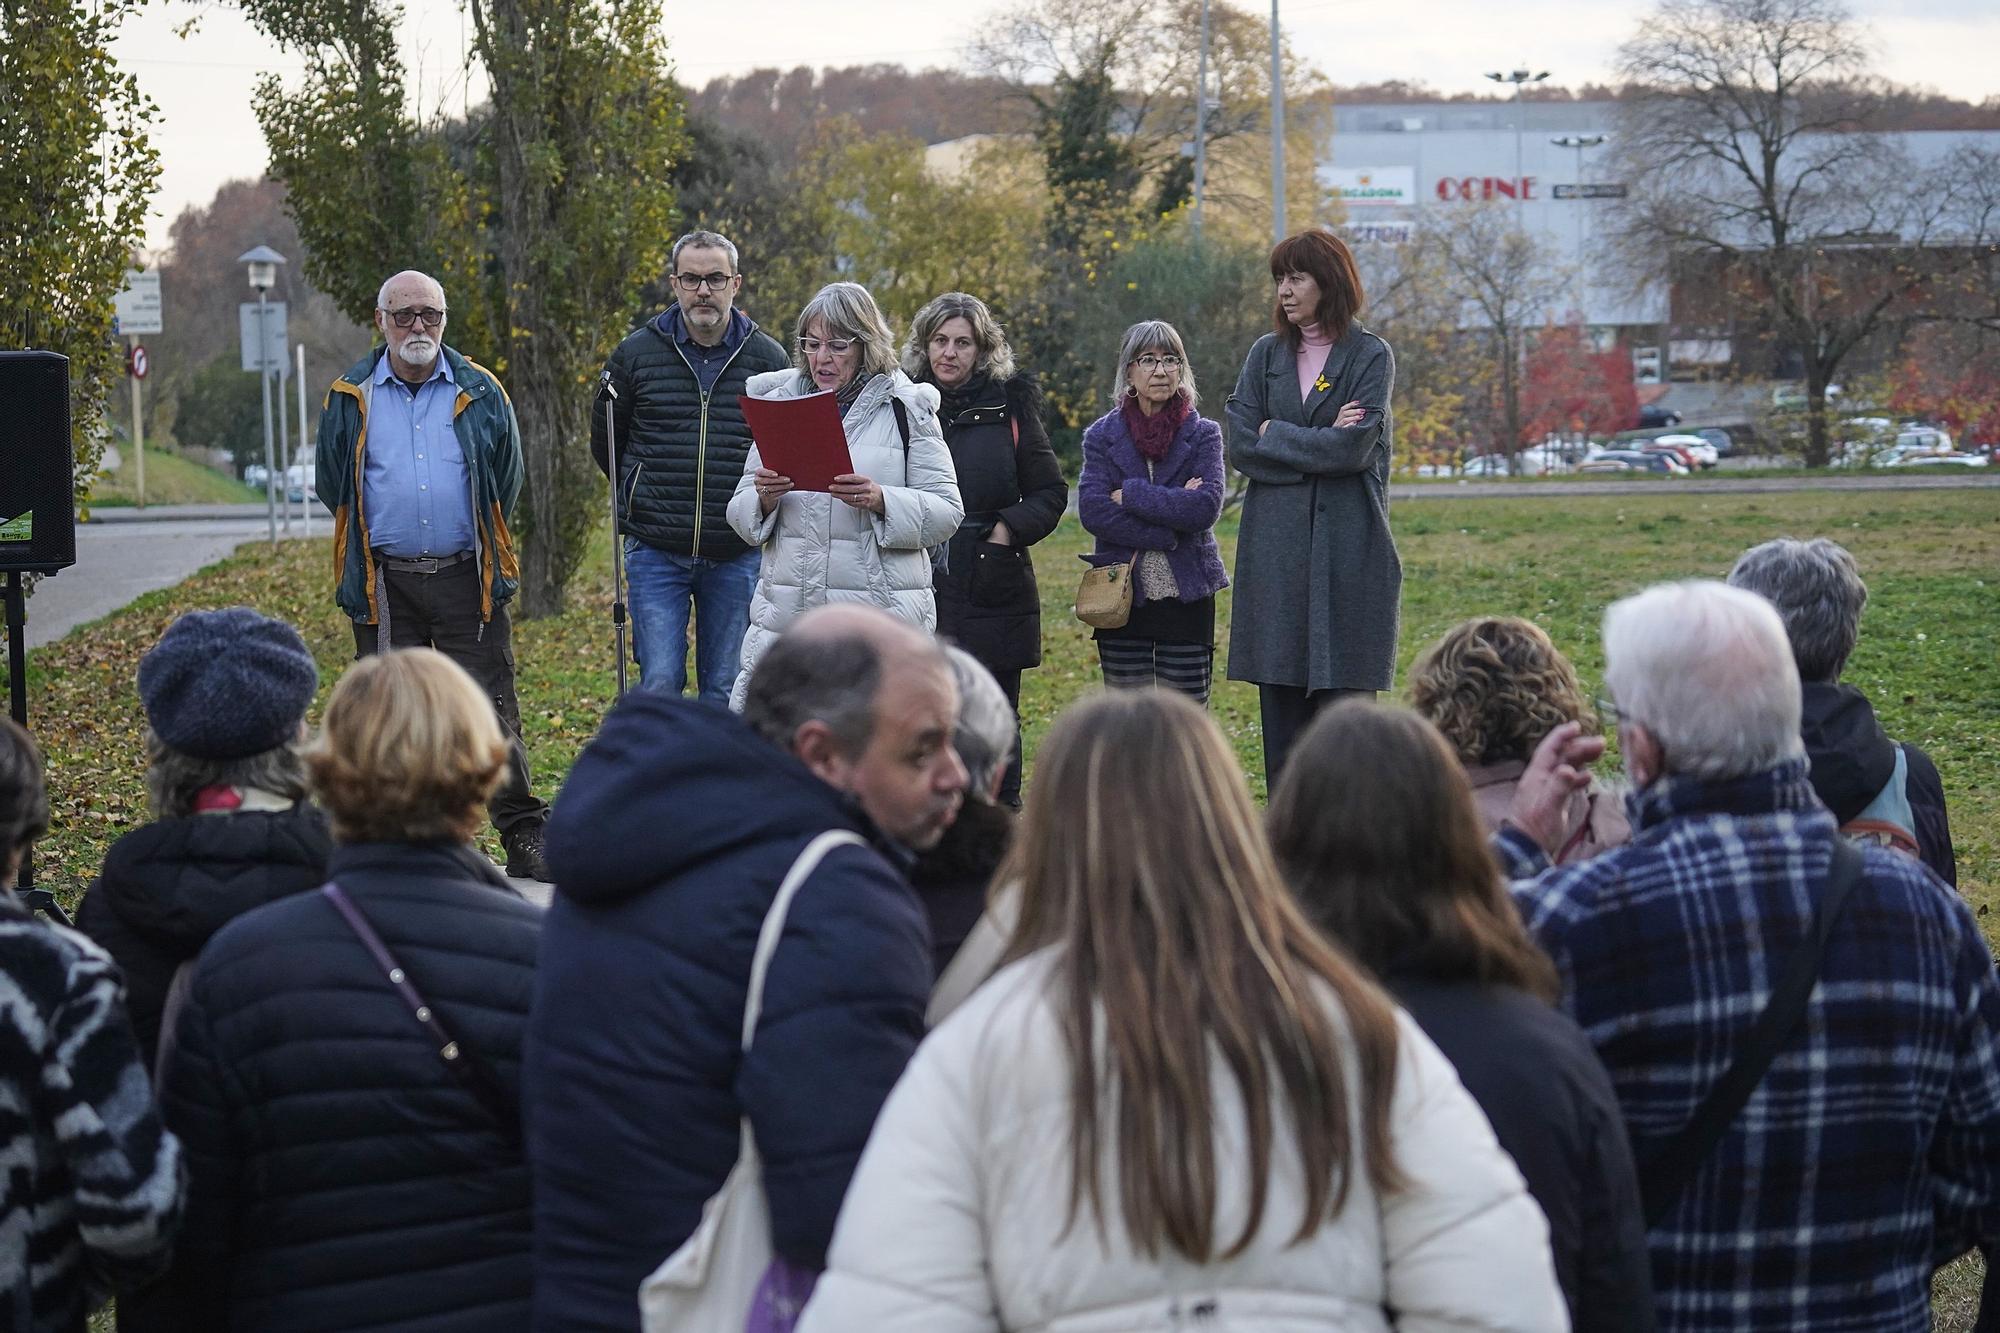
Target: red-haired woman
1309, 424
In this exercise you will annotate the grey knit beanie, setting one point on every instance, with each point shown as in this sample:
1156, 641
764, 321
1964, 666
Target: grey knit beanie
227, 684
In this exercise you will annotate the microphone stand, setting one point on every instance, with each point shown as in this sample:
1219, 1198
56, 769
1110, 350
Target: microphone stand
617, 538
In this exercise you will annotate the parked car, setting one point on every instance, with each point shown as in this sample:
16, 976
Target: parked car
1949, 458
1696, 451
1722, 441
1634, 460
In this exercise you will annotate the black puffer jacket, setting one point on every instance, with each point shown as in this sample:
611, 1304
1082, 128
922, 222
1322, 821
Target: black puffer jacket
986, 595
680, 451
952, 877
168, 886
340, 1176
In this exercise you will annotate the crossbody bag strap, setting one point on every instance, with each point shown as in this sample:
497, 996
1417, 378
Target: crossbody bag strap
457, 1057
1666, 1174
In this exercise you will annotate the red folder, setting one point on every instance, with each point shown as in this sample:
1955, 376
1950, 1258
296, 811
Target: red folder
800, 438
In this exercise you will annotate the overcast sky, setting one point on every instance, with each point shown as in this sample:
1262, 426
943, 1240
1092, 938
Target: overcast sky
207, 133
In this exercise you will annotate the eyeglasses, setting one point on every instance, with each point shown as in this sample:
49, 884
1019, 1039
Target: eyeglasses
1608, 711
694, 282
1150, 363
407, 319
838, 346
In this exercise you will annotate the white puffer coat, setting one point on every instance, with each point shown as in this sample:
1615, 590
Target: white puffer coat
955, 1221
819, 550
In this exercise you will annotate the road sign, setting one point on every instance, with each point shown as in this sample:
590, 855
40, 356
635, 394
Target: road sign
138, 306
276, 358
139, 362
1592, 191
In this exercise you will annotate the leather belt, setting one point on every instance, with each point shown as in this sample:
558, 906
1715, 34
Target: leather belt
430, 564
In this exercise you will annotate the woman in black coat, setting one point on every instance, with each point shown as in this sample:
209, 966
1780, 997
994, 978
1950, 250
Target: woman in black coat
232, 828
1014, 493
354, 1149
1389, 855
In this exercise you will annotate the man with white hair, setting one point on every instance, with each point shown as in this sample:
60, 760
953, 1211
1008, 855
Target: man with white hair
419, 458
1804, 1035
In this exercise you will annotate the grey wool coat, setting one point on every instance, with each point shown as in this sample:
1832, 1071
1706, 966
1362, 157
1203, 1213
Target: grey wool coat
1318, 583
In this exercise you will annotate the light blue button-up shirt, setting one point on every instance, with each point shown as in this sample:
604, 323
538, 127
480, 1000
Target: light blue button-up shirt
416, 491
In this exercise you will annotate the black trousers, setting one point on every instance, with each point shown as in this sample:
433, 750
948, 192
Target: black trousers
1010, 786
1287, 711
441, 611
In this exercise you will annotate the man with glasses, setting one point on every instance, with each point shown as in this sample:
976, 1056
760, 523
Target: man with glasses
675, 386
419, 457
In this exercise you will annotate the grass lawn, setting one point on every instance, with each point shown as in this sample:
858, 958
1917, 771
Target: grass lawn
170, 480
1930, 644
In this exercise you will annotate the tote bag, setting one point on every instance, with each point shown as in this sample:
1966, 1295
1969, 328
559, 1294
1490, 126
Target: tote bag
709, 1284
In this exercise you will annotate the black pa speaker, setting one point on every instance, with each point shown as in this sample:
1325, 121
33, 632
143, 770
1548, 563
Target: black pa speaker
37, 466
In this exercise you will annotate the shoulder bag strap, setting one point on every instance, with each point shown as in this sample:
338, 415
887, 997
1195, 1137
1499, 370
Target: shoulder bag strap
774, 920
1668, 1171
478, 1080
902, 420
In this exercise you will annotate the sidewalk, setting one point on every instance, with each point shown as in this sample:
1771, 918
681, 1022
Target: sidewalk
321, 519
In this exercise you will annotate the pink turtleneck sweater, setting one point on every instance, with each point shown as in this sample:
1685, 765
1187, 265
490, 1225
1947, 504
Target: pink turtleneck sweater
1313, 347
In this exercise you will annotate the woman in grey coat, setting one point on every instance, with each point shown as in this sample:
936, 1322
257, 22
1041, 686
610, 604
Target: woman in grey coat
1309, 425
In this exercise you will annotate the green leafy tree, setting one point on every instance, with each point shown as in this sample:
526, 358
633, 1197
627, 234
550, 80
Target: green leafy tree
75, 180
221, 406
544, 217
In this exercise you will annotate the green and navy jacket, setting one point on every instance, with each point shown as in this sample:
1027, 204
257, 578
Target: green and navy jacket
488, 436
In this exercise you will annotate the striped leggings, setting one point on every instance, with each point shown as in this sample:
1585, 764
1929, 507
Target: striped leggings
1138, 664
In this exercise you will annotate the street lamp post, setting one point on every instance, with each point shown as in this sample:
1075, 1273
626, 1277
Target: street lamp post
1277, 133
1520, 78
1201, 123
1579, 142
263, 262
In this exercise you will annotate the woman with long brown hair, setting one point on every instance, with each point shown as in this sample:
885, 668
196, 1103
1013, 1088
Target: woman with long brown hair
1175, 1101
1390, 858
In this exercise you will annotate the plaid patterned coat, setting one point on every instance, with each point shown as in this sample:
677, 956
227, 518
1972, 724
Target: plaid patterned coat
1871, 1150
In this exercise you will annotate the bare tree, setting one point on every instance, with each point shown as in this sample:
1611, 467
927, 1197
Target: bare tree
1744, 137
1506, 284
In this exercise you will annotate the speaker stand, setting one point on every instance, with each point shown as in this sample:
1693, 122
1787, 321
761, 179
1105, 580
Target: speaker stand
36, 900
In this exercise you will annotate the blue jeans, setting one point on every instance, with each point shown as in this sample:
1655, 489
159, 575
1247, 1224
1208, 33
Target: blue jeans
660, 587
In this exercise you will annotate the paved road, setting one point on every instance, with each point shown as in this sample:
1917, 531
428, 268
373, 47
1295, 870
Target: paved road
117, 562
1526, 489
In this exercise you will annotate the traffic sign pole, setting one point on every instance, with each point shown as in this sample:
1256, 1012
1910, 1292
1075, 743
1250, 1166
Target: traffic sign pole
135, 363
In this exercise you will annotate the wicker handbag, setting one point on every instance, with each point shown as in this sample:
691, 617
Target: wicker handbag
1104, 598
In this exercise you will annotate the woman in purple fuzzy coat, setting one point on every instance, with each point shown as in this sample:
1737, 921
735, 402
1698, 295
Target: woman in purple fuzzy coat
1150, 493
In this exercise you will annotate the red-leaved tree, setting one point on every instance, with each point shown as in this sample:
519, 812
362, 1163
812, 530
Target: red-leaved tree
1951, 373
1570, 386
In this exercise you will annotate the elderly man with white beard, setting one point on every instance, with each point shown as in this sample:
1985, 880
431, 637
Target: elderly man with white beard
419, 458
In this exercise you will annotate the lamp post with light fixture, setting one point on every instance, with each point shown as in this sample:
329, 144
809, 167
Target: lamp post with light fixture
263, 262
1579, 142
1520, 78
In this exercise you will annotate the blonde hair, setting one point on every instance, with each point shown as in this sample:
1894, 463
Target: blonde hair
846, 310
1495, 686
1179, 951
409, 750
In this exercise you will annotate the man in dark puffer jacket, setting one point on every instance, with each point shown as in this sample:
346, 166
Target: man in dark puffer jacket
225, 694
1877, 788
675, 385
672, 835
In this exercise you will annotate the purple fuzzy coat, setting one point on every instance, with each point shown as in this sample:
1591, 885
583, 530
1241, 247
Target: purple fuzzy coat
1157, 515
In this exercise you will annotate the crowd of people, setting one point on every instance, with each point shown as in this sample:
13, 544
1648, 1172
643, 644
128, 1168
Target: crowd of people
818, 1033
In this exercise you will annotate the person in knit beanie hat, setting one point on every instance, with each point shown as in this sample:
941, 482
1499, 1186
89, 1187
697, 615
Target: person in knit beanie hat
951, 878
225, 695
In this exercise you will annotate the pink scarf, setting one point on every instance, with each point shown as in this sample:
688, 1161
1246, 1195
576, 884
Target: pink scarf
1154, 434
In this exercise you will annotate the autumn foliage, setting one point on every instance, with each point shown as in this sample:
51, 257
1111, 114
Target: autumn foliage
1570, 386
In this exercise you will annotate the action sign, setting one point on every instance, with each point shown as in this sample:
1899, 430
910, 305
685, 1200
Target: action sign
138, 306
139, 363
1590, 192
